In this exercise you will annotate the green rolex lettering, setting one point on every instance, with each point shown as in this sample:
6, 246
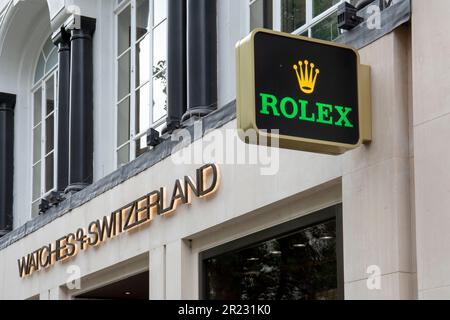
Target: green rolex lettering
343, 121
284, 112
269, 101
303, 112
323, 115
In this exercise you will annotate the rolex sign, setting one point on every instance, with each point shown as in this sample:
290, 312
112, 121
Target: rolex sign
311, 95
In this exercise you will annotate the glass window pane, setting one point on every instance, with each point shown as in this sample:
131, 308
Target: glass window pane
261, 14
49, 164
40, 69
123, 122
159, 96
49, 133
257, 14
124, 76
37, 107
37, 181
326, 29
143, 61
50, 95
322, 6
141, 146
160, 46
35, 209
142, 17
300, 266
37, 144
124, 30
48, 47
160, 10
143, 109
293, 14
123, 155
52, 61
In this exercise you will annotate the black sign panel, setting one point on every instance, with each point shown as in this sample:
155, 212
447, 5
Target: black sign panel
306, 89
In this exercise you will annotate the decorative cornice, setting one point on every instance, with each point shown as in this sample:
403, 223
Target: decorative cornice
7, 101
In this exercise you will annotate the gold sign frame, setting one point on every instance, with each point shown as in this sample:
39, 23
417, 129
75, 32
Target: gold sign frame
246, 109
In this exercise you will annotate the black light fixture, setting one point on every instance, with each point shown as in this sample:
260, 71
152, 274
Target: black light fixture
348, 16
44, 205
153, 138
253, 259
52, 200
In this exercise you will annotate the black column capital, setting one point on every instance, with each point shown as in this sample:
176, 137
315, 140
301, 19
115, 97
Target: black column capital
82, 24
61, 38
7, 101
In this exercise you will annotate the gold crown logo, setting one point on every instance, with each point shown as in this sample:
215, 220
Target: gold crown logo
307, 76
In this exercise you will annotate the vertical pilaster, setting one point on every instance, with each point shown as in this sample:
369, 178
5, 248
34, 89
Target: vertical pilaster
7, 104
61, 38
176, 64
202, 58
81, 103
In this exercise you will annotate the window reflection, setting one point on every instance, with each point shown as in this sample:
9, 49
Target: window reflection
322, 6
261, 14
123, 32
142, 18
300, 266
293, 14
143, 50
143, 109
147, 96
160, 11
326, 29
160, 94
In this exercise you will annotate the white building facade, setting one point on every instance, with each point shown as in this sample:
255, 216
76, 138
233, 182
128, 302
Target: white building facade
88, 85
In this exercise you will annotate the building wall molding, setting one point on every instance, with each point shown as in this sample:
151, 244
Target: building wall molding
213, 121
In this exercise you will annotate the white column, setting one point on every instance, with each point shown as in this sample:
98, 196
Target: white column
178, 271
157, 273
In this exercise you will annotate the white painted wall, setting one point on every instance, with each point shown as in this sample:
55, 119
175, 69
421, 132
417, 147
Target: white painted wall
373, 182
431, 105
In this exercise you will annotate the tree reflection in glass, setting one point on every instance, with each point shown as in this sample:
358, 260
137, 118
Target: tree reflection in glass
300, 266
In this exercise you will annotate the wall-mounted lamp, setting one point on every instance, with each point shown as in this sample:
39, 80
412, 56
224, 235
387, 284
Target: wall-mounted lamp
153, 138
348, 17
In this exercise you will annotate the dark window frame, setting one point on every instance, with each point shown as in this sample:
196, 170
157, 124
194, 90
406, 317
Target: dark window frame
321, 216
268, 14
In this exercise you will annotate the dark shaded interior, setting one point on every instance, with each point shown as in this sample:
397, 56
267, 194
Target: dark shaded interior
132, 288
298, 266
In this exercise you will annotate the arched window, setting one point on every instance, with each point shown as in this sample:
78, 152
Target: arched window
44, 102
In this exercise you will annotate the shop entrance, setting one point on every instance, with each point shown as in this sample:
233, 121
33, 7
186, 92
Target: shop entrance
298, 260
132, 288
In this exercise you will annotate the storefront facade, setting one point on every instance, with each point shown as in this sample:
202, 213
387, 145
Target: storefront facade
289, 225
